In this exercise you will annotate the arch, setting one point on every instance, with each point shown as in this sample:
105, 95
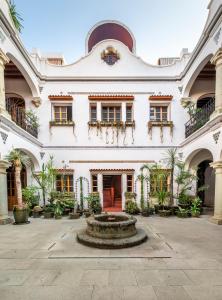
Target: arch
33, 158
205, 99
197, 156
195, 74
31, 84
110, 30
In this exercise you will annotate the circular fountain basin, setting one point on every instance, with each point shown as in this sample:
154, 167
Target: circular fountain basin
111, 232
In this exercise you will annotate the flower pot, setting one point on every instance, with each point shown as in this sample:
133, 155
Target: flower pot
195, 214
58, 217
164, 213
74, 215
21, 215
182, 214
48, 215
145, 213
36, 214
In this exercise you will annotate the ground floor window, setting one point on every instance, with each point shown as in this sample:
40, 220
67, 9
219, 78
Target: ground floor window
64, 183
94, 183
129, 183
159, 182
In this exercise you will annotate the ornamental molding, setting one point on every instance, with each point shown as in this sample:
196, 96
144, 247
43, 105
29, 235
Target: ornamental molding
161, 97
60, 97
216, 136
110, 161
42, 154
3, 58
2, 36
217, 36
4, 136
216, 165
36, 101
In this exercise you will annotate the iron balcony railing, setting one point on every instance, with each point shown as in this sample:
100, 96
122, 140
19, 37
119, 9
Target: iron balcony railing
19, 116
200, 118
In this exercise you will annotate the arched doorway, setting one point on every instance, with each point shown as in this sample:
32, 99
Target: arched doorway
206, 177
199, 161
11, 185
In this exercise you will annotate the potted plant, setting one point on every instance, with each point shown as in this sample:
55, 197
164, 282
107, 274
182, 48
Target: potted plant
183, 212
58, 210
37, 211
30, 197
195, 207
131, 207
48, 211
21, 211
94, 203
74, 214
162, 196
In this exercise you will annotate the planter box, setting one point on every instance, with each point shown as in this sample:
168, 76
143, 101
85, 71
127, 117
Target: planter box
48, 215
164, 213
74, 215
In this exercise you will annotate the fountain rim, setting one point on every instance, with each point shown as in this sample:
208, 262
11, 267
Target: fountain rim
92, 221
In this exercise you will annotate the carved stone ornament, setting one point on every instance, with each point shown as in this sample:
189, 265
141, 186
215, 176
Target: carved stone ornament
110, 56
216, 136
42, 154
4, 136
217, 36
36, 101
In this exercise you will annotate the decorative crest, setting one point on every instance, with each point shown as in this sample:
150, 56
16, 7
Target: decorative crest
110, 56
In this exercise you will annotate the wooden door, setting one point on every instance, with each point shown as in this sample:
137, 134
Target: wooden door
11, 186
108, 197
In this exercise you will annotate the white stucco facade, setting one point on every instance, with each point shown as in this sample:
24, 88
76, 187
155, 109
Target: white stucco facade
84, 149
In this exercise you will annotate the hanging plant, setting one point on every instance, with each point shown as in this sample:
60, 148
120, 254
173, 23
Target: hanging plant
16, 18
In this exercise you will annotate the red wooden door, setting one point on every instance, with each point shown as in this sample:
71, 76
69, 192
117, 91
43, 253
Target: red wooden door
108, 197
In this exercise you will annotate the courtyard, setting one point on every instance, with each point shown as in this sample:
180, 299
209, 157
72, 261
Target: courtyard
43, 260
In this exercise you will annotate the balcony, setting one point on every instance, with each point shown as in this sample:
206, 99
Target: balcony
200, 118
19, 116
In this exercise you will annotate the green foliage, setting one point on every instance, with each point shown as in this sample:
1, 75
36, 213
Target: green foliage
131, 207
30, 196
192, 109
16, 156
94, 203
162, 196
16, 18
46, 178
58, 208
195, 206
183, 212
33, 118
130, 195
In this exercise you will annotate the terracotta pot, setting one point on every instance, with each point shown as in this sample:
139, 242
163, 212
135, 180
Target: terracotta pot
21, 215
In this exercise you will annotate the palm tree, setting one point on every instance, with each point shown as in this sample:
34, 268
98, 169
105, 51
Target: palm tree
17, 158
16, 18
171, 159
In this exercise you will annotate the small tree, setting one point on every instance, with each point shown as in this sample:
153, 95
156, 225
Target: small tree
16, 18
46, 178
171, 159
17, 158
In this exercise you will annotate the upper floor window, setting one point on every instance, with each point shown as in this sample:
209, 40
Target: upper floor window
94, 183
111, 113
159, 183
129, 113
62, 113
158, 113
64, 183
93, 113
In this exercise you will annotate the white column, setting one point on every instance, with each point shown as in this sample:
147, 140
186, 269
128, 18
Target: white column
99, 110
217, 61
124, 111
100, 187
217, 218
124, 189
3, 60
4, 218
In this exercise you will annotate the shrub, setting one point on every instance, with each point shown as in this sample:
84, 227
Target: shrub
132, 207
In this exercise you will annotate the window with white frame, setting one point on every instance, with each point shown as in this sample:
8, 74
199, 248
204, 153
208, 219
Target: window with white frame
129, 113
62, 113
93, 113
111, 113
158, 113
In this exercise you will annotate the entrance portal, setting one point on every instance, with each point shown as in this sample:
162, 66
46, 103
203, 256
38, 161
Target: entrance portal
112, 193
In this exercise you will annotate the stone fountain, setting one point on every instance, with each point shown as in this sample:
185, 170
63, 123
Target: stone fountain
109, 231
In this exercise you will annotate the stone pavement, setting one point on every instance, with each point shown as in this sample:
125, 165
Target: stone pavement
181, 260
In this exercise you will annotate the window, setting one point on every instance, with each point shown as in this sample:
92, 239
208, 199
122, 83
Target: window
129, 183
93, 113
129, 113
64, 183
94, 183
62, 113
111, 113
159, 183
158, 113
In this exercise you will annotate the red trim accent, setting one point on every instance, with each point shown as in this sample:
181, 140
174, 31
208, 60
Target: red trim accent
161, 97
111, 97
60, 97
122, 170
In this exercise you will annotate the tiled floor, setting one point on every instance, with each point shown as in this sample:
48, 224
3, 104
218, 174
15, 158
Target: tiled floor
182, 259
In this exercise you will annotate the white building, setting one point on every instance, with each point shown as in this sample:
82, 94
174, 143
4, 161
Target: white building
105, 115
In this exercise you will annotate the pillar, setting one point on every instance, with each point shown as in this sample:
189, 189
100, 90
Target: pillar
217, 61
4, 218
124, 190
100, 187
3, 60
217, 218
